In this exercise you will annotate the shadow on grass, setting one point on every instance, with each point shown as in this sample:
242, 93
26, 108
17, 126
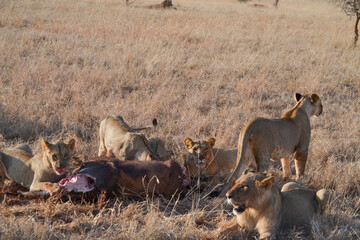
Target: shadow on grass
15, 127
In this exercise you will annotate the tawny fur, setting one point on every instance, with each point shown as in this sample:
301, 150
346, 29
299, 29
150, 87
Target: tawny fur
202, 158
278, 139
267, 210
39, 172
158, 146
119, 140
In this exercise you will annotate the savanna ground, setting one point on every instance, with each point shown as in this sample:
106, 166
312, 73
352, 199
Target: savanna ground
202, 70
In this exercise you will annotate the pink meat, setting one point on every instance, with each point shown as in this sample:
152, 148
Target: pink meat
79, 182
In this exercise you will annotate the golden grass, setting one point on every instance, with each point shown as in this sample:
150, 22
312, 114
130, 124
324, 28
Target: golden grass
203, 70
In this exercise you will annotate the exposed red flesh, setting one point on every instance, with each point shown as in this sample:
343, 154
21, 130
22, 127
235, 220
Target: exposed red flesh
79, 182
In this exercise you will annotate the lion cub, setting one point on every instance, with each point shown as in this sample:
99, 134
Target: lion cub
260, 205
39, 172
202, 157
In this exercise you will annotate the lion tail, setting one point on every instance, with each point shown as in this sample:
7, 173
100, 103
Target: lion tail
130, 129
154, 124
244, 137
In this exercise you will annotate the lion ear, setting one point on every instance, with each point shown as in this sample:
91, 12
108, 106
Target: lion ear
211, 142
297, 96
188, 143
71, 144
266, 183
46, 146
314, 98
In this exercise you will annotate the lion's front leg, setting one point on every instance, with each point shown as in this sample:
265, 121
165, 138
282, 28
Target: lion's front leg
227, 228
265, 235
267, 228
102, 148
51, 188
230, 227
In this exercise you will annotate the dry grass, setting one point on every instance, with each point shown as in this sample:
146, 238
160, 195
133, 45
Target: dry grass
203, 70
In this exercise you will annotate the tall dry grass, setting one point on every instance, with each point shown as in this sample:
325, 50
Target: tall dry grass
203, 70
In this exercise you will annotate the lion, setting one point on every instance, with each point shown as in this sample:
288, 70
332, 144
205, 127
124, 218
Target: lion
40, 172
119, 140
260, 205
203, 158
128, 177
278, 138
158, 146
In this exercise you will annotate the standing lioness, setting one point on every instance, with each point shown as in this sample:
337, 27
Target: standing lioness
39, 172
279, 138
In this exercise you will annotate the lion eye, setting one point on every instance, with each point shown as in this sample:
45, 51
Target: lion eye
54, 157
243, 188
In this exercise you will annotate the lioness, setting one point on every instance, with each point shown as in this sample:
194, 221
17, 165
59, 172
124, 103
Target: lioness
278, 138
258, 204
39, 172
158, 147
119, 140
130, 177
203, 158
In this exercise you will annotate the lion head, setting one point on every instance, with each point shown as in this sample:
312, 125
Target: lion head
58, 155
200, 152
249, 190
311, 100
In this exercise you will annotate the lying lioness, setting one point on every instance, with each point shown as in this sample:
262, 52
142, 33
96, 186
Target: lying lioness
119, 140
130, 177
260, 205
39, 172
204, 158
